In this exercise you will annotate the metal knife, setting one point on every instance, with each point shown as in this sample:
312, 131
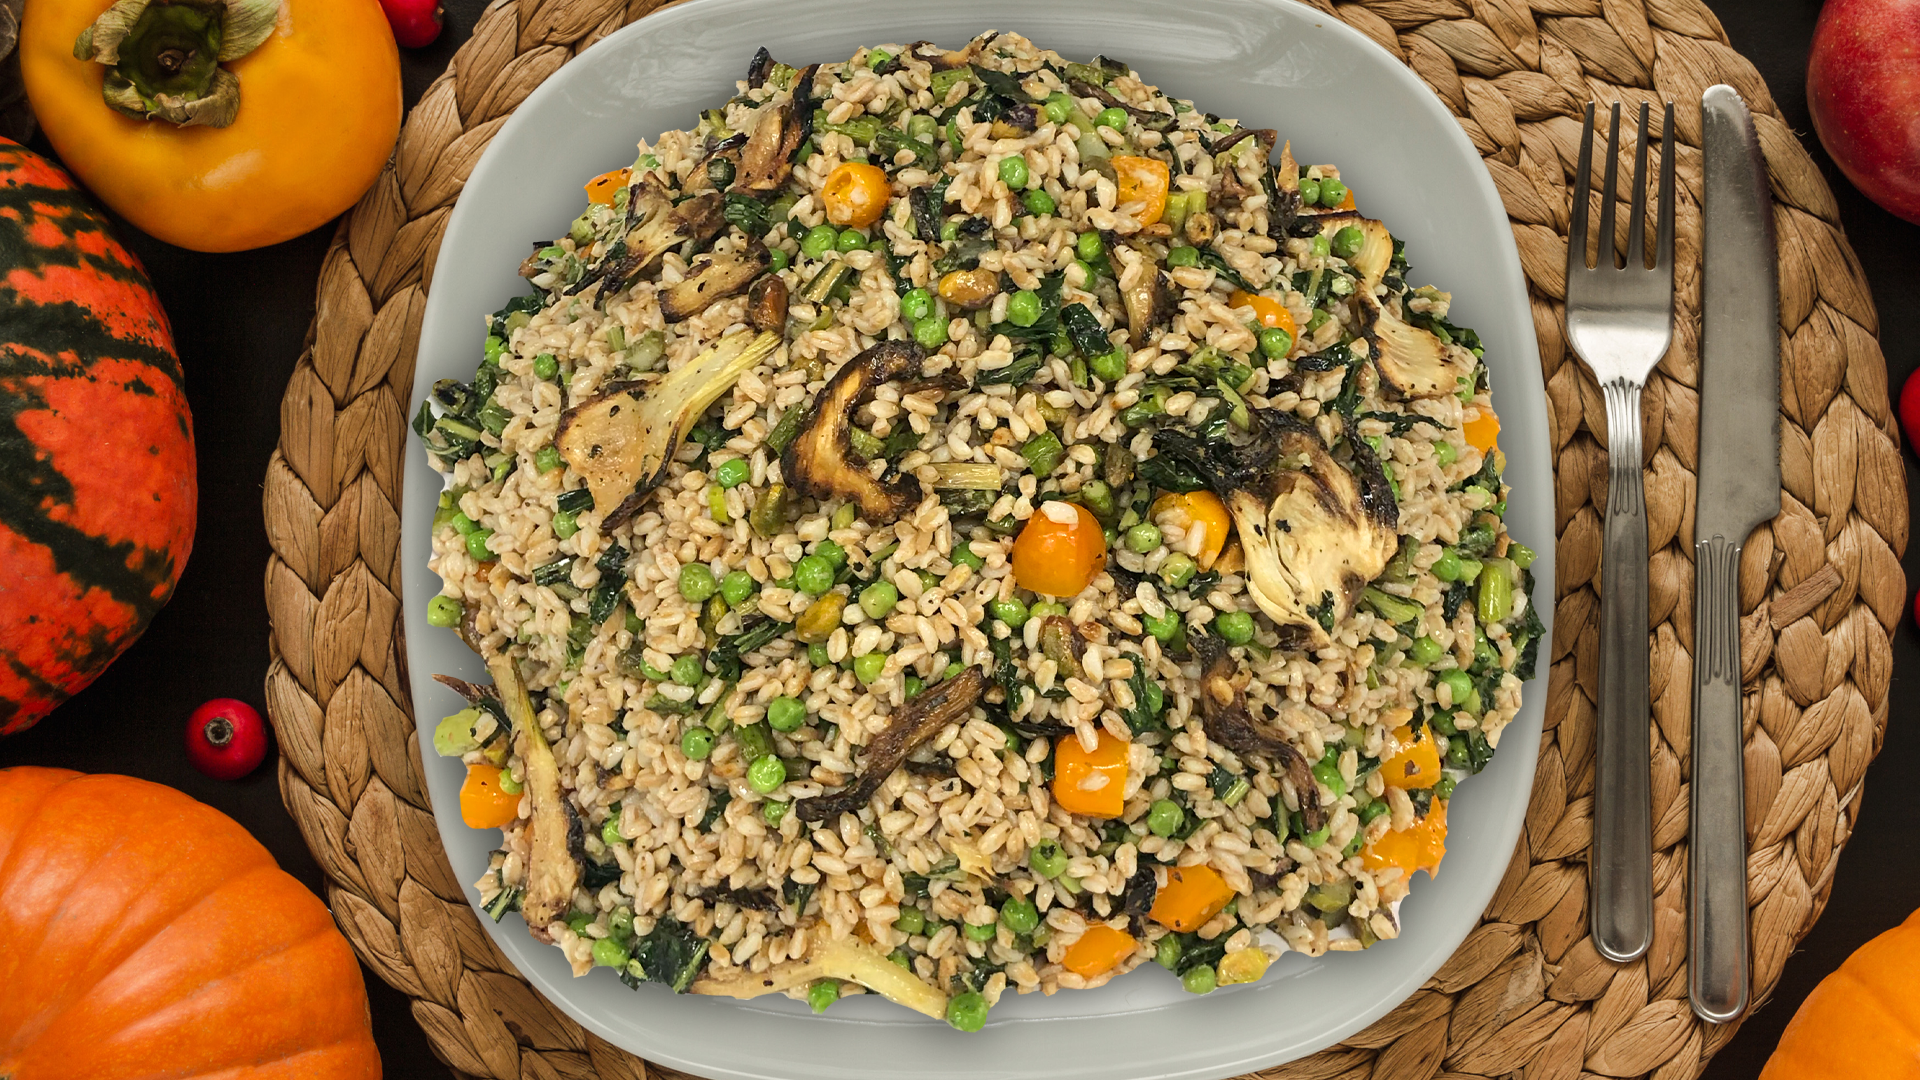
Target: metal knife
1738, 490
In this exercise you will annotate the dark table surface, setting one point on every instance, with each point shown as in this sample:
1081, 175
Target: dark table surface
240, 320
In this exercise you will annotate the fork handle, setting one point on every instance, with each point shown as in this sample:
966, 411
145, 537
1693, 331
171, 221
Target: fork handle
1717, 843
1622, 871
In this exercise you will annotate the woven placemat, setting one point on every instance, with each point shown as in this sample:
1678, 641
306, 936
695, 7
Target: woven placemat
1526, 994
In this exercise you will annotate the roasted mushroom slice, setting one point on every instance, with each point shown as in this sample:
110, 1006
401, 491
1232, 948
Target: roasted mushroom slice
713, 278
767, 159
1314, 532
552, 871
1229, 721
1414, 363
657, 226
821, 462
946, 702
621, 439
1149, 304
767, 304
947, 59
1284, 204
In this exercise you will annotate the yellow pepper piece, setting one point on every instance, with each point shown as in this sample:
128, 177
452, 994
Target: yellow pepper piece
1416, 764
1098, 951
1418, 847
1074, 767
1482, 430
1191, 896
601, 189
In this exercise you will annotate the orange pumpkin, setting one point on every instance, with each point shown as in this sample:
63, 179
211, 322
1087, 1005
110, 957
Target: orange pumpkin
149, 935
1861, 1021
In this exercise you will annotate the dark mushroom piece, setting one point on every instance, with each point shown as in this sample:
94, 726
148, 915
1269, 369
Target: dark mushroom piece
946, 59
767, 304
943, 703
1283, 194
714, 278
1314, 531
1229, 721
1149, 304
767, 159
821, 462
760, 67
621, 439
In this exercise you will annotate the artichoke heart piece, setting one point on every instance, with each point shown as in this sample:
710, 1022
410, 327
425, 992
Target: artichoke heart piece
1149, 304
621, 439
1376, 247
821, 461
1413, 363
656, 225
552, 871
849, 959
713, 278
767, 159
1314, 532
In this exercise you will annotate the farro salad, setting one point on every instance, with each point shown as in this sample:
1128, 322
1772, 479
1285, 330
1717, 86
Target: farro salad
960, 521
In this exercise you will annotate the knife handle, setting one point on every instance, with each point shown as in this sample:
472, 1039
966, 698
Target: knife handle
1717, 848
1621, 908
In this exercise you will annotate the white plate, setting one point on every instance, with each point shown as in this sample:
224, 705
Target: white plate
1270, 63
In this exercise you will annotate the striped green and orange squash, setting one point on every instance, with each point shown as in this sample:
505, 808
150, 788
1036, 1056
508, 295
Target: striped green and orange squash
97, 490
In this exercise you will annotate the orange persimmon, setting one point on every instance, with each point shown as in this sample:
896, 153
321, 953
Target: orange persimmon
855, 194
1191, 896
1483, 430
1420, 846
601, 189
1074, 771
1197, 510
1143, 180
1098, 951
1060, 550
1416, 764
1266, 309
484, 804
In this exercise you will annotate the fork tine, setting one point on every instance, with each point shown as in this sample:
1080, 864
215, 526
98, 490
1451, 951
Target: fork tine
1577, 229
1637, 219
1663, 250
1604, 253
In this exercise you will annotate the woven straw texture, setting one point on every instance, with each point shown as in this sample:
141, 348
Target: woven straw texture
1526, 994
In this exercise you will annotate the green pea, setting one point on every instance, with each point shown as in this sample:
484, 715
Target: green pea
1165, 817
1059, 106
1425, 651
579, 921
1443, 788
1047, 859
548, 458
697, 743
930, 332
786, 714
1014, 172
1178, 569
767, 774
565, 524
462, 524
1023, 308
773, 812
832, 552
879, 598
1110, 366
778, 259
687, 670
1275, 342
949, 231
1038, 202
1167, 952
733, 473
822, 993
911, 921
968, 1011
697, 583
1448, 566
1164, 628
609, 830
1309, 191
849, 239
1322, 247
1199, 980
1327, 771
1347, 242
1521, 554
1445, 452
1045, 608
869, 667
545, 366
1235, 626
444, 611
620, 924
877, 57
1090, 246
1019, 915
817, 655
1459, 686
1332, 192
914, 684
980, 931
1010, 611
916, 304
1183, 255
818, 241
922, 126
814, 575
1112, 116
963, 556
610, 953
477, 544
1061, 342
736, 587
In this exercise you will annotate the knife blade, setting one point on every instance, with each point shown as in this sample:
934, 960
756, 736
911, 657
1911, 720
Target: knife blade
1738, 489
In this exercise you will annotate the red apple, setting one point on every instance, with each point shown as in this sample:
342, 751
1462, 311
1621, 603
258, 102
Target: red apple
1863, 85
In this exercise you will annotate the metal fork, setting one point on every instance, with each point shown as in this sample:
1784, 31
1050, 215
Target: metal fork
1620, 322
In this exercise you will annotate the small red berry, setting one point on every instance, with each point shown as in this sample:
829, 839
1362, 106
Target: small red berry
416, 23
1910, 410
226, 739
